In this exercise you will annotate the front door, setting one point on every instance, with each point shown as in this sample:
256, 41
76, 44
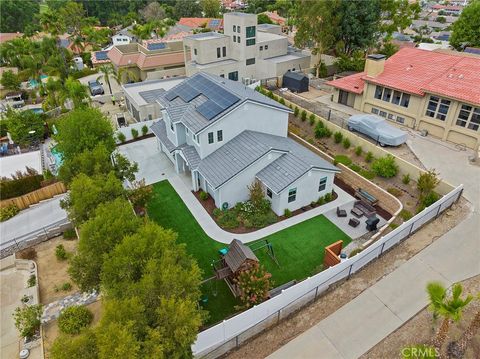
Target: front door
343, 97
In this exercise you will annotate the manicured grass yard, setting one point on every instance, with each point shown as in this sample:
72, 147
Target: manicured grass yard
298, 249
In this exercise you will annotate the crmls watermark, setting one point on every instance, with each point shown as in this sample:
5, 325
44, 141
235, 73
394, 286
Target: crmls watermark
420, 351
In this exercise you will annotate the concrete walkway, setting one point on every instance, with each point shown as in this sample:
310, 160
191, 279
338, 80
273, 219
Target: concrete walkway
365, 321
220, 235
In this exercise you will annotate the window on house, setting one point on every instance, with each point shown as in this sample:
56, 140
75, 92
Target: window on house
233, 75
437, 108
250, 61
250, 31
266, 47
238, 28
469, 117
210, 138
261, 48
234, 28
400, 119
234, 38
375, 111
194, 51
292, 195
150, 117
218, 53
323, 184
219, 135
405, 100
387, 95
238, 39
383, 114
222, 75
250, 42
269, 193
390, 116
397, 95
224, 49
378, 92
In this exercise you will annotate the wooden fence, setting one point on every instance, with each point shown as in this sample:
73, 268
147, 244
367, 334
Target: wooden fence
34, 197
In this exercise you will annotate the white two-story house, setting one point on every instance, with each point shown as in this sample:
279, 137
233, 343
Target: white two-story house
225, 136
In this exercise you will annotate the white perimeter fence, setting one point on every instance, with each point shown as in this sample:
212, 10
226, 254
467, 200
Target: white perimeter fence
230, 333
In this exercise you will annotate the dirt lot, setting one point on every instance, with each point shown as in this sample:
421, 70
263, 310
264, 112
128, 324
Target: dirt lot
421, 330
269, 341
50, 330
51, 271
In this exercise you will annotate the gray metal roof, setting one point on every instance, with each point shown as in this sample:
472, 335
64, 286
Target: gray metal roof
239, 153
151, 96
191, 155
158, 128
195, 120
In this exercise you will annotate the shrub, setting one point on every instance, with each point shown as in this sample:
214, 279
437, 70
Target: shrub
134, 133
73, 319
355, 251
313, 204
338, 137
82, 73
254, 284
428, 200
8, 212
296, 111
282, 101
320, 200
369, 157
304, 115
393, 225
144, 130
17, 187
290, 106
229, 219
275, 98
27, 319
69, 234
427, 182
287, 213
385, 166
61, 253
406, 178
328, 197
355, 167
405, 214
367, 174
343, 159
358, 150
394, 191
311, 118
270, 94
66, 286
217, 212
346, 143
32, 280
121, 137
203, 195
321, 131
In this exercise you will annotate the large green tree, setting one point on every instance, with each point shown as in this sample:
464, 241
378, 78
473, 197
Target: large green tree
75, 347
10, 81
466, 30
84, 129
18, 16
187, 9
98, 236
86, 193
25, 127
210, 8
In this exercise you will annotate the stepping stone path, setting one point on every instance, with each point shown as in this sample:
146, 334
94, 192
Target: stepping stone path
52, 310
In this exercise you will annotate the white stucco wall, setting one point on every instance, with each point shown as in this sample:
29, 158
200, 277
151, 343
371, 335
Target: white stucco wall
127, 131
307, 191
249, 116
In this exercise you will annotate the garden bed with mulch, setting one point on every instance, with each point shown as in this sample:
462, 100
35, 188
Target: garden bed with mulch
139, 138
209, 205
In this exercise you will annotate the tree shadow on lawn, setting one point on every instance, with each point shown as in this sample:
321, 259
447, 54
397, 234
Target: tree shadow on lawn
299, 249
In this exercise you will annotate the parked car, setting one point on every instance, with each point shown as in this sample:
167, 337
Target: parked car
95, 88
378, 129
15, 100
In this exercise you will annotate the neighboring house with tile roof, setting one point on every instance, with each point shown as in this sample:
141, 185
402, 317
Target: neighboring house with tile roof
424, 90
245, 51
224, 136
8, 36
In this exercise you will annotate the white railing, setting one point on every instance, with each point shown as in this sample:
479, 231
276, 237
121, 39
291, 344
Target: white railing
228, 334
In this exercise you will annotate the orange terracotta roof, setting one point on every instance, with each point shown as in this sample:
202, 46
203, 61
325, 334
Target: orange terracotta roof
419, 71
158, 60
194, 22
120, 59
352, 83
275, 17
7, 36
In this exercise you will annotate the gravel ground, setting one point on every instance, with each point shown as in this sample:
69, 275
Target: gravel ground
272, 339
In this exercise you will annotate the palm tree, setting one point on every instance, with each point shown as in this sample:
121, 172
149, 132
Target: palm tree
106, 70
450, 308
124, 74
75, 91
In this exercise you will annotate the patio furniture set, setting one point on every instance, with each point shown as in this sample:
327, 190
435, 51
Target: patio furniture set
362, 207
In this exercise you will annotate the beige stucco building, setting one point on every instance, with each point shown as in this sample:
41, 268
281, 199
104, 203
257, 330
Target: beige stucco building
245, 52
423, 90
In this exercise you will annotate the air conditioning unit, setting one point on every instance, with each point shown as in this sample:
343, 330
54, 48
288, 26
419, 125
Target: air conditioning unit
424, 133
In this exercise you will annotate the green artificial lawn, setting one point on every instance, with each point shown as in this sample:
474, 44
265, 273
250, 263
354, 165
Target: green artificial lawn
299, 249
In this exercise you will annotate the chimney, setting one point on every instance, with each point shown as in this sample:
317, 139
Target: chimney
374, 64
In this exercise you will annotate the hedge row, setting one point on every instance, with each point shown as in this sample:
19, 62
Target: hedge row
19, 187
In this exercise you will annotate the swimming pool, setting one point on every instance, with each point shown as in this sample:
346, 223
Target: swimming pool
57, 157
34, 83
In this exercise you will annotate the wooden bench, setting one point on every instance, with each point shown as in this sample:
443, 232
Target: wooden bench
362, 194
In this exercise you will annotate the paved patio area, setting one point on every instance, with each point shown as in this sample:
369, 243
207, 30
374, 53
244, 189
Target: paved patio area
153, 165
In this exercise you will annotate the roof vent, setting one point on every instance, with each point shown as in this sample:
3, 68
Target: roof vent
460, 76
450, 76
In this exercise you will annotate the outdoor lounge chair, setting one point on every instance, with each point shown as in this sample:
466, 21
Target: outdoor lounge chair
341, 212
353, 222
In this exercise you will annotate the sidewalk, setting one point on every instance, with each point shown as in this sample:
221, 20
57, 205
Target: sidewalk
365, 321
218, 234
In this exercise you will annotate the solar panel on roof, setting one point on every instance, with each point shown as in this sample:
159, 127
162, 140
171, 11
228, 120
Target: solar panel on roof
156, 46
209, 109
101, 55
171, 95
214, 23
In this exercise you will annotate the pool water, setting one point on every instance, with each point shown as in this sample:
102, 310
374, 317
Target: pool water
57, 156
34, 83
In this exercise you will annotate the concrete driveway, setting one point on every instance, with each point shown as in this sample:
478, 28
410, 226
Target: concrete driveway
153, 165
